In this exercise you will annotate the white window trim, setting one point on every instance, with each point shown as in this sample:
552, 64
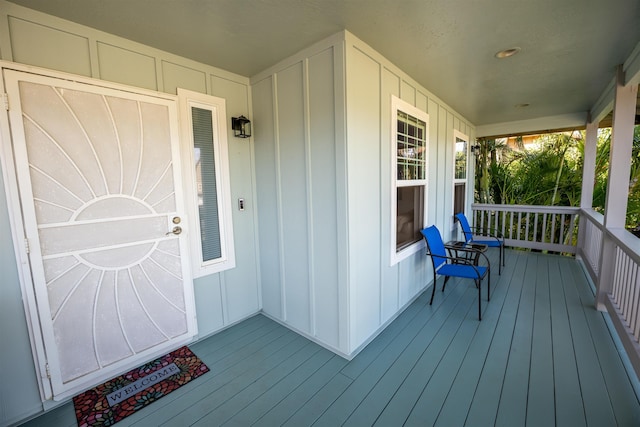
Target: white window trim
459, 135
398, 104
217, 106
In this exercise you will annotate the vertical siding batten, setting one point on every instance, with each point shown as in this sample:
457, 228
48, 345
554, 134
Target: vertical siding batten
309, 200
382, 183
364, 215
293, 188
442, 184
278, 197
391, 296
342, 192
324, 198
266, 196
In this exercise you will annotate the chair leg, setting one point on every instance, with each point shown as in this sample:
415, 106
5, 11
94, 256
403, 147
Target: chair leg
446, 278
479, 283
433, 291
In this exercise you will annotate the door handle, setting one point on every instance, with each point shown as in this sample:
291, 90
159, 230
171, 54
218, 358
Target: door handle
176, 230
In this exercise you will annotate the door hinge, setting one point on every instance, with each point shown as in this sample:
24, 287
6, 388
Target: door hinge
47, 370
5, 99
26, 246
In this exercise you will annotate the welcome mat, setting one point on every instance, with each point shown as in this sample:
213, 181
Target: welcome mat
120, 397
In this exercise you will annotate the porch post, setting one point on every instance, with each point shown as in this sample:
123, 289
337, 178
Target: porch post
615, 212
588, 178
589, 166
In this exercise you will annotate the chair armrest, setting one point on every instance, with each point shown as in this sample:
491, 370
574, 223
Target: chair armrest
466, 247
464, 260
474, 251
492, 232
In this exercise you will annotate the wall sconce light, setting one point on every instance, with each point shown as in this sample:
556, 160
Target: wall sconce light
241, 127
475, 149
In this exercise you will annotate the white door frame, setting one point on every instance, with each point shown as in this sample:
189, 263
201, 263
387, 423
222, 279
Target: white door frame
21, 245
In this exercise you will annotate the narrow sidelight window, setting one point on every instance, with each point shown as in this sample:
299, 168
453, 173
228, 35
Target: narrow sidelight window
204, 139
207, 187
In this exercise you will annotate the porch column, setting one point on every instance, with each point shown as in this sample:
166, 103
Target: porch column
589, 166
624, 110
588, 180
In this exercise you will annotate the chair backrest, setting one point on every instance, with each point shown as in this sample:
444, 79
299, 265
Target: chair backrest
466, 229
435, 246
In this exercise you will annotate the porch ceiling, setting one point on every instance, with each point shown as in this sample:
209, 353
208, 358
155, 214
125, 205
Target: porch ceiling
569, 49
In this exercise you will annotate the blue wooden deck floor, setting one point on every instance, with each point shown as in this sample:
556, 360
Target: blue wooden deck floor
542, 356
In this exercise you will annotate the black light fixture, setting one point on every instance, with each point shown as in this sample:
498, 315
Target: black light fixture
241, 127
475, 149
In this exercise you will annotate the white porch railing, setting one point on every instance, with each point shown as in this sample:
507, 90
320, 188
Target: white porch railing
550, 228
626, 279
590, 241
619, 288
611, 257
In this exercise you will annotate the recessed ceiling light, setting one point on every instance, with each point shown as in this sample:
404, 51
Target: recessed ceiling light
523, 105
507, 52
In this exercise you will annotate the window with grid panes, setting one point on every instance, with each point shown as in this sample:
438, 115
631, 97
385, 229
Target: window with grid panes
461, 150
410, 143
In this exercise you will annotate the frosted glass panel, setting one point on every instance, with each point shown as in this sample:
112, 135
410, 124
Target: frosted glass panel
206, 183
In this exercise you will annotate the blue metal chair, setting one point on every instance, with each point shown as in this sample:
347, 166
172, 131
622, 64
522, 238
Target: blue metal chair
448, 266
490, 237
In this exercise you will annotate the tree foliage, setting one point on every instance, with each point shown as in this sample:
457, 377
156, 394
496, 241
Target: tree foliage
549, 172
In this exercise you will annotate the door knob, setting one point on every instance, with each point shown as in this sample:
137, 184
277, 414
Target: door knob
176, 230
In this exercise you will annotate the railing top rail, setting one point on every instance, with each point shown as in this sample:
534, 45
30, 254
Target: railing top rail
526, 208
629, 243
595, 217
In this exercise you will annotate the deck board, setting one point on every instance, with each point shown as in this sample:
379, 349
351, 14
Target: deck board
407, 349
540, 398
293, 401
476, 359
598, 410
269, 380
512, 409
434, 342
619, 388
542, 355
569, 405
210, 398
486, 399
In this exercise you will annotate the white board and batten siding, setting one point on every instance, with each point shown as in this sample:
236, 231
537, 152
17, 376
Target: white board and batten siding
323, 171
32, 38
298, 185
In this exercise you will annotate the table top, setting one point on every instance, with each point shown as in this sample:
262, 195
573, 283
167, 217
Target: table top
460, 244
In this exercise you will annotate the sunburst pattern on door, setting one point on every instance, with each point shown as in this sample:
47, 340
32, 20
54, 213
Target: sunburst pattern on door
102, 180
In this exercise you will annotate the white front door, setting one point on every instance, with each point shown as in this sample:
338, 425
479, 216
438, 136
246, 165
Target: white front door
99, 183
